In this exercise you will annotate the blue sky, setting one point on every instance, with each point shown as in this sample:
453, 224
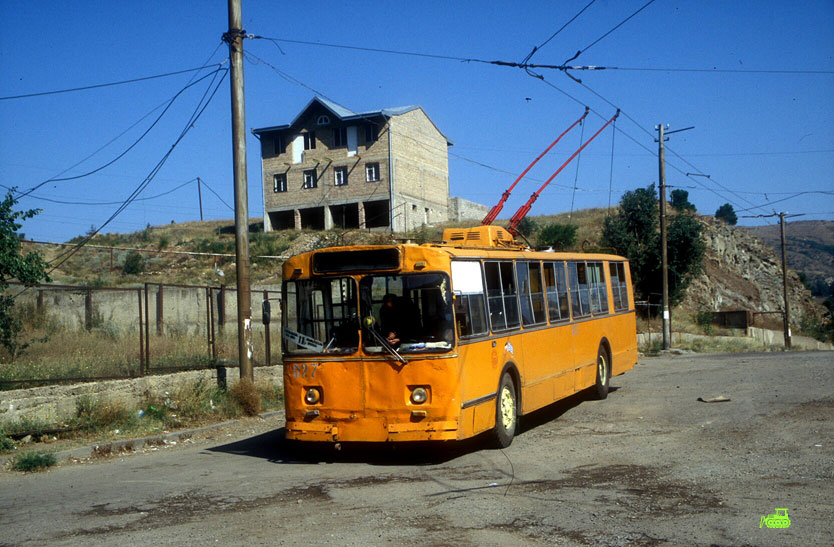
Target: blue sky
759, 135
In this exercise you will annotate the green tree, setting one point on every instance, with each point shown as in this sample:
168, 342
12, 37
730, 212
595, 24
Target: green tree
680, 201
28, 268
635, 232
558, 236
528, 227
727, 214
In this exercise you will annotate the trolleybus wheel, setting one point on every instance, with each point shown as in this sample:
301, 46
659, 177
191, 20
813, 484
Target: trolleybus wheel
506, 412
603, 372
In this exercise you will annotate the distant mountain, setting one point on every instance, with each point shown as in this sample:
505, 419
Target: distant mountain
810, 247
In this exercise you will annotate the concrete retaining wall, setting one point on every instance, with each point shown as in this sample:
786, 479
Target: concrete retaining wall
755, 337
54, 404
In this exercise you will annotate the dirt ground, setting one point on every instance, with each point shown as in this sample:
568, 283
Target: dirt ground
651, 465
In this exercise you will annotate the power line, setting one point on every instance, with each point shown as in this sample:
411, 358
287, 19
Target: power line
552, 36
218, 65
718, 70
96, 203
129, 148
797, 194
618, 25
198, 111
223, 201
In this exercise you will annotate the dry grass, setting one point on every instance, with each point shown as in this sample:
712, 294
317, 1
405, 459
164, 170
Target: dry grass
247, 396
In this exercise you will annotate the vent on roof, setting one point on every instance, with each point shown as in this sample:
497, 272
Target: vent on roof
479, 236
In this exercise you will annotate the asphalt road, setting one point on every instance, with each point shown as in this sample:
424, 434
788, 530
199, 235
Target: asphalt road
649, 466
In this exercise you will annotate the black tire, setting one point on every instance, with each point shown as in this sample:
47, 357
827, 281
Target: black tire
506, 412
603, 373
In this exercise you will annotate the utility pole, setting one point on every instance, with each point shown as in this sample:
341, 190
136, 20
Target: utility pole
661, 169
244, 306
200, 198
661, 166
787, 315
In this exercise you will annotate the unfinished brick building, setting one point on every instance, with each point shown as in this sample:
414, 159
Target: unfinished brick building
333, 168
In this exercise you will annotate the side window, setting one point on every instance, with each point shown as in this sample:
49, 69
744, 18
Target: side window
468, 285
310, 140
501, 295
531, 294
579, 293
599, 293
619, 291
557, 298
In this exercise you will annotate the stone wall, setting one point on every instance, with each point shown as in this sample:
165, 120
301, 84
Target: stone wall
57, 403
461, 210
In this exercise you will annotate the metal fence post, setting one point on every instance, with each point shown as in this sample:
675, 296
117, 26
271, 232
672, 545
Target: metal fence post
141, 336
88, 309
211, 322
266, 336
147, 333
159, 310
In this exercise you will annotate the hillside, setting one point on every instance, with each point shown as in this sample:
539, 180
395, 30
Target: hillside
740, 271
810, 248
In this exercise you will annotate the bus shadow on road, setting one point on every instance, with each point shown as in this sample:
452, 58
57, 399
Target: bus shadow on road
557, 409
273, 445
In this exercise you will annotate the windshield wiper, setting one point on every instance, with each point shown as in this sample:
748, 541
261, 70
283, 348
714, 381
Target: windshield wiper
382, 341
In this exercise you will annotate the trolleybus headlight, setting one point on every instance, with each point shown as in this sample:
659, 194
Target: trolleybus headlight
312, 396
419, 395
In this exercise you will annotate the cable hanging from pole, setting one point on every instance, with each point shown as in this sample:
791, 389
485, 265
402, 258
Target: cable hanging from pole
493, 213
611, 170
576, 176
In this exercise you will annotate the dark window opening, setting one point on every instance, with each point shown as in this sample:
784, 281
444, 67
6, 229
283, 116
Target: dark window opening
376, 214
340, 176
345, 216
370, 134
282, 220
312, 218
372, 172
310, 140
310, 179
340, 137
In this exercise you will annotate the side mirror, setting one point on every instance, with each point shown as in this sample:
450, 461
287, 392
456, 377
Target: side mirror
266, 312
369, 321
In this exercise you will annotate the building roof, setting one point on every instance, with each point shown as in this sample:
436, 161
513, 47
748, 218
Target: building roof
345, 114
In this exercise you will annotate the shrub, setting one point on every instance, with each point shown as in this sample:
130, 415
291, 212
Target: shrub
680, 201
527, 227
558, 236
92, 415
33, 461
6, 444
134, 263
247, 396
703, 318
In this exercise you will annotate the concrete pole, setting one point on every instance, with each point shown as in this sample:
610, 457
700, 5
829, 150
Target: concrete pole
244, 306
787, 315
661, 157
200, 198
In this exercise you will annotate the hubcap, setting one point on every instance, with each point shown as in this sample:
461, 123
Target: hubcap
602, 369
507, 408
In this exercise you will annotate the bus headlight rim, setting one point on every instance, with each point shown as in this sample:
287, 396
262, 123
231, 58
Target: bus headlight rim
312, 396
419, 395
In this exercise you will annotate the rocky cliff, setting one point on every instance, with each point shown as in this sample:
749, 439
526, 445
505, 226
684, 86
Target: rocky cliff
742, 273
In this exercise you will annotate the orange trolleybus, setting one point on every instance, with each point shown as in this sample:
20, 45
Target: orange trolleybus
446, 341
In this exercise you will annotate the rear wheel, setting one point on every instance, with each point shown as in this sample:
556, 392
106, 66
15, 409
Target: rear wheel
506, 412
603, 373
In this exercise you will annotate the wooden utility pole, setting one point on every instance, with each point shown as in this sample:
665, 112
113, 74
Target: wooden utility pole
661, 168
787, 315
244, 307
200, 198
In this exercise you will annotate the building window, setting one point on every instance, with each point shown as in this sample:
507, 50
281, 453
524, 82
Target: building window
340, 136
370, 134
323, 120
340, 176
278, 144
372, 172
310, 140
310, 179
279, 182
